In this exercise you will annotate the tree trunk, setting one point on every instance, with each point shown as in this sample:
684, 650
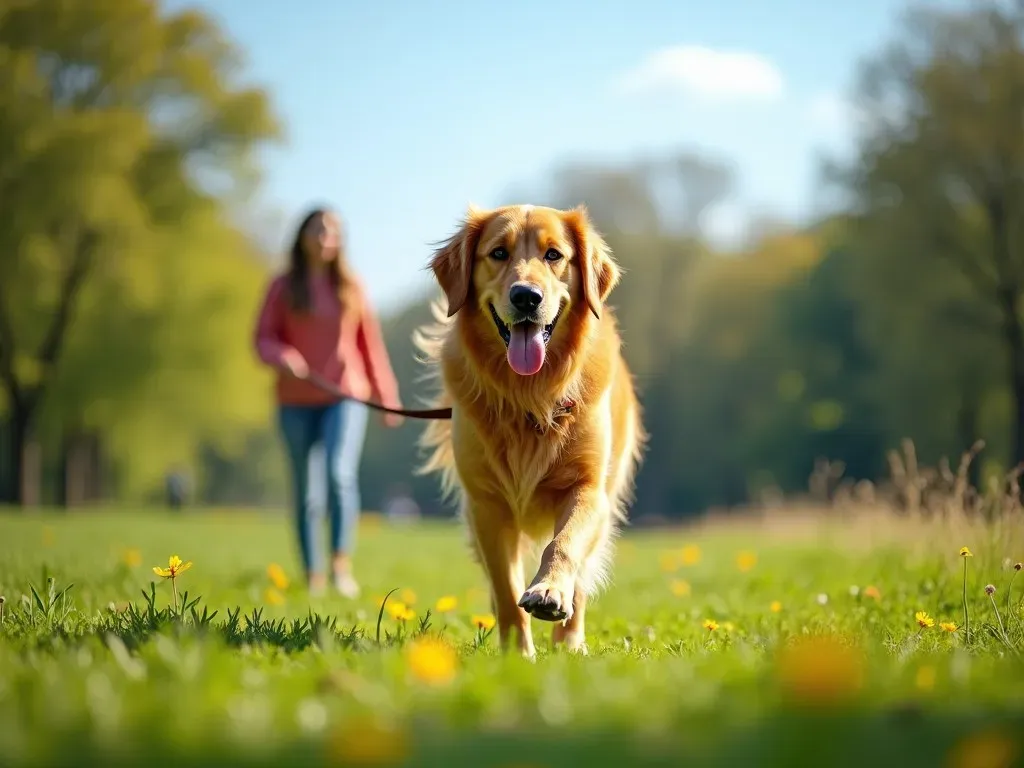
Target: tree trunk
1013, 337
1017, 393
1008, 293
78, 469
21, 462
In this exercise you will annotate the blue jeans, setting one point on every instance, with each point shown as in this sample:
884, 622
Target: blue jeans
337, 430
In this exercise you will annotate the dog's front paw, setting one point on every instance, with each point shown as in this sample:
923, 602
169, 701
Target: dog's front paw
547, 601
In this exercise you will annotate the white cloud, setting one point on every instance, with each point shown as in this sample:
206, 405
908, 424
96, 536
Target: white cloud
831, 113
718, 75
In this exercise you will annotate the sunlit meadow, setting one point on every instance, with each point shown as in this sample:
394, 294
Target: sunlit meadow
788, 638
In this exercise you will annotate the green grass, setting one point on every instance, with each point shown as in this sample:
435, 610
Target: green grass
100, 674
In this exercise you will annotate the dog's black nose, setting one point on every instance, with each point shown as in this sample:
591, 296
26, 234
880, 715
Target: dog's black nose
525, 298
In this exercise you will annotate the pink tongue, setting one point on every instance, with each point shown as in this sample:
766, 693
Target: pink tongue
526, 348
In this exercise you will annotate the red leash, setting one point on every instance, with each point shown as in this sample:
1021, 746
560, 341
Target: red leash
412, 413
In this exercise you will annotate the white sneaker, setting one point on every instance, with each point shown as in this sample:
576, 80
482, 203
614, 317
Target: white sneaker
346, 585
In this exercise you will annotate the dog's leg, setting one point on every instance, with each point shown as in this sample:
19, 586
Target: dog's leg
579, 532
571, 633
497, 542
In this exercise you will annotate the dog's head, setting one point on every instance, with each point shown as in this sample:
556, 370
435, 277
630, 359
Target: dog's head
528, 269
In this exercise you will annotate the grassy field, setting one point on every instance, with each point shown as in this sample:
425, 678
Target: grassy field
769, 641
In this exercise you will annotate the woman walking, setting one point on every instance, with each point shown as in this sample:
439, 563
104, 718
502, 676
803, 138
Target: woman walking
316, 317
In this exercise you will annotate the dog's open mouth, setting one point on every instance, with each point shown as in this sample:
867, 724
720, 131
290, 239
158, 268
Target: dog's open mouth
525, 342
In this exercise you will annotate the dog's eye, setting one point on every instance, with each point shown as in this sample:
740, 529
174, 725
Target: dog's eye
552, 255
499, 254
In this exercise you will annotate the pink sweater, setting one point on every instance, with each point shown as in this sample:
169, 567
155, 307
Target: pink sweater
351, 356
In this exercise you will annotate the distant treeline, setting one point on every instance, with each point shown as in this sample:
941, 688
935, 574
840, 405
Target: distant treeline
128, 288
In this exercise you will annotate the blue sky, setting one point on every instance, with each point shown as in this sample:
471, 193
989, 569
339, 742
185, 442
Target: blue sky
400, 113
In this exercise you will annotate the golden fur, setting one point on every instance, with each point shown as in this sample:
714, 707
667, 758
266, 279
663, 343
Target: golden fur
525, 476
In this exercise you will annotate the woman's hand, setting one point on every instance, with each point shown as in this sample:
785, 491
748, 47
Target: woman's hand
295, 364
393, 419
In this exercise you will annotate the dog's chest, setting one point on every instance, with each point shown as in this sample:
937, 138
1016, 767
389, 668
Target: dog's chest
532, 471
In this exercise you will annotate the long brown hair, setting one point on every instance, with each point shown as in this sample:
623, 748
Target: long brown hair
339, 272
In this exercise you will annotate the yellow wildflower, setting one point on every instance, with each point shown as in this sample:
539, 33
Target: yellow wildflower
669, 562
776, 606
446, 604
680, 588
400, 611
371, 521
483, 621
746, 560
965, 552
925, 678
872, 592
819, 670
949, 626
368, 741
924, 620
131, 557
986, 749
710, 625
277, 576
690, 554
431, 661
728, 626
174, 568
273, 597
408, 596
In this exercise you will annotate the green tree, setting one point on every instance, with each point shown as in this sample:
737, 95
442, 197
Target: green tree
938, 193
121, 131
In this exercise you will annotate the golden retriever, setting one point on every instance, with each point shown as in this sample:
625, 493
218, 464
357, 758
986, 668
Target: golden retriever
546, 433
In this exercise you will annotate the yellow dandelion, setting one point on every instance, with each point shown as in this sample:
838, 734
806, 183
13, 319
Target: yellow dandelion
949, 626
446, 604
776, 606
925, 678
668, 562
174, 568
370, 521
819, 670
924, 620
985, 749
745, 561
272, 596
680, 588
483, 621
431, 661
131, 557
710, 625
872, 592
965, 552
399, 611
277, 576
690, 554
368, 741
408, 597
728, 626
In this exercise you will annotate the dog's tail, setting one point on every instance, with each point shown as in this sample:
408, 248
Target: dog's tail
436, 438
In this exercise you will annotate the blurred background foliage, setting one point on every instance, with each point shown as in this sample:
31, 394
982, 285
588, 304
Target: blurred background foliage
132, 267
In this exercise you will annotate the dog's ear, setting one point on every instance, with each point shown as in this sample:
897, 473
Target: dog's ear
598, 270
452, 262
